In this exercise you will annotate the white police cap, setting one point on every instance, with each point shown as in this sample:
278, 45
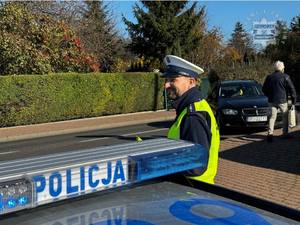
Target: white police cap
177, 66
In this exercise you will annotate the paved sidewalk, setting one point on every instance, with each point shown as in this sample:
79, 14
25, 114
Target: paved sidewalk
266, 170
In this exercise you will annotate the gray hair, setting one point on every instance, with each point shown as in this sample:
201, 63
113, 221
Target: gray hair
279, 66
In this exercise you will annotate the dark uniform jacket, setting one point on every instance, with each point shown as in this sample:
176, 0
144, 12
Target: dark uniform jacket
277, 87
195, 126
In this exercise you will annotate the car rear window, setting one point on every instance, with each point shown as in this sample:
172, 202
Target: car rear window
240, 90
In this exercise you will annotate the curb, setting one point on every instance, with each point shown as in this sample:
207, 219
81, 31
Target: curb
80, 125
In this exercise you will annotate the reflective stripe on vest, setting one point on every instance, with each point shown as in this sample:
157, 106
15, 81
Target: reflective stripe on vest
174, 133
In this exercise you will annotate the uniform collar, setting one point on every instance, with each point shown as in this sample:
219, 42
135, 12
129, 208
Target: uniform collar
189, 97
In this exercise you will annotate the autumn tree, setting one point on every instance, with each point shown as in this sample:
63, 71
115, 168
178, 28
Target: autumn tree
66, 11
210, 49
37, 44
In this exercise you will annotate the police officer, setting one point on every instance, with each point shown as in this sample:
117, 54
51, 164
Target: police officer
194, 120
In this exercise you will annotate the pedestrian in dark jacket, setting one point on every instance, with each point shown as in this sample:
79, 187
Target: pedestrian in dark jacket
277, 87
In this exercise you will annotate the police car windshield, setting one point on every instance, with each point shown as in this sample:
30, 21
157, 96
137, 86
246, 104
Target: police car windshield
240, 90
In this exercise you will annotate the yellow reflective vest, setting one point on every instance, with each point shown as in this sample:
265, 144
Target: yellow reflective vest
174, 133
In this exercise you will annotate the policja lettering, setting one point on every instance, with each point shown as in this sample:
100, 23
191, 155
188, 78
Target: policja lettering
82, 179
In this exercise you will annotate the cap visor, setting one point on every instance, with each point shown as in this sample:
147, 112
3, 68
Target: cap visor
169, 74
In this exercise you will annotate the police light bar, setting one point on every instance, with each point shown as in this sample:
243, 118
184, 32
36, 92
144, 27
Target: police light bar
36, 181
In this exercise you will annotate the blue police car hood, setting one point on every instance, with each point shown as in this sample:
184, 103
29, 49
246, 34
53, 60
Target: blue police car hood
244, 102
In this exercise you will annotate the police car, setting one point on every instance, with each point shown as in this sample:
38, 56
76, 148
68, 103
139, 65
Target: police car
121, 184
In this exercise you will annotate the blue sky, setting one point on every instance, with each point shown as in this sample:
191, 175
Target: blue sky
224, 14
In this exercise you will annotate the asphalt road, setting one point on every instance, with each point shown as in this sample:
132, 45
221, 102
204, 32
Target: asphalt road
84, 140
102, 137
78, 141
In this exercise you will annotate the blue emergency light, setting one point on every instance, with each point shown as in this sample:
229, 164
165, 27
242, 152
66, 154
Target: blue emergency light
157, 164
15, 195
36, 181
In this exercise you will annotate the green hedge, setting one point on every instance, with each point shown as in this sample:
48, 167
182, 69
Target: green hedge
36, 99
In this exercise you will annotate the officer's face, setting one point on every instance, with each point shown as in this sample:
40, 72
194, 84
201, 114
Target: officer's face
177, 86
